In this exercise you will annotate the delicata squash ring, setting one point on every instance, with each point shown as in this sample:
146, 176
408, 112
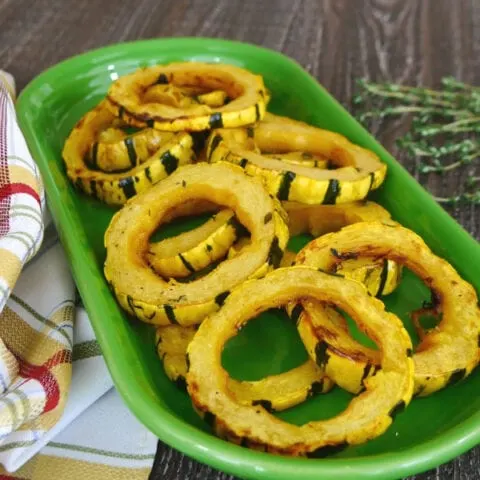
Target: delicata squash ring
367, 416
381, 277
245, 89
275, 392
194, 250
445, 355
116, 188
359, 170
152, 299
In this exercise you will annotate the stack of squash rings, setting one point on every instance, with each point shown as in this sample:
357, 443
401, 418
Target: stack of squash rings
190, 138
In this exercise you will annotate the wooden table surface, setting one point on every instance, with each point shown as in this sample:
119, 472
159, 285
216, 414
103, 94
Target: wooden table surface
405, 41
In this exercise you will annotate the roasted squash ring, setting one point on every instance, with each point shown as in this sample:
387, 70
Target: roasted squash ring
246, 91
116, 188
359, 172
192, 251
116, 151
445, 355
367, 416
149, 297
275, 393
379, 276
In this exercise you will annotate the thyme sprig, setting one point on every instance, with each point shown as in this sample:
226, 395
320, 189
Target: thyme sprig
445, 128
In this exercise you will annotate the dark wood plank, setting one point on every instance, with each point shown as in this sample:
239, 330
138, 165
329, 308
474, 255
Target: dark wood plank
337, 41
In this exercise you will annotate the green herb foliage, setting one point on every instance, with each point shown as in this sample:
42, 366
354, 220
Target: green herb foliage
445, 128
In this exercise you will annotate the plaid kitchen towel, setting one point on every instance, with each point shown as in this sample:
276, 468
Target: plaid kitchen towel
56, 395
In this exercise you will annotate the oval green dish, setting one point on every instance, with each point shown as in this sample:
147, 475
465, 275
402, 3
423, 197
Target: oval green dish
430, 431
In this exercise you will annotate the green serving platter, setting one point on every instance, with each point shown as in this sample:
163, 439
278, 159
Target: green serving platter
431, 431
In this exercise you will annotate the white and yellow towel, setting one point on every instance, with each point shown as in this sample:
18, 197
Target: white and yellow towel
57, 404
